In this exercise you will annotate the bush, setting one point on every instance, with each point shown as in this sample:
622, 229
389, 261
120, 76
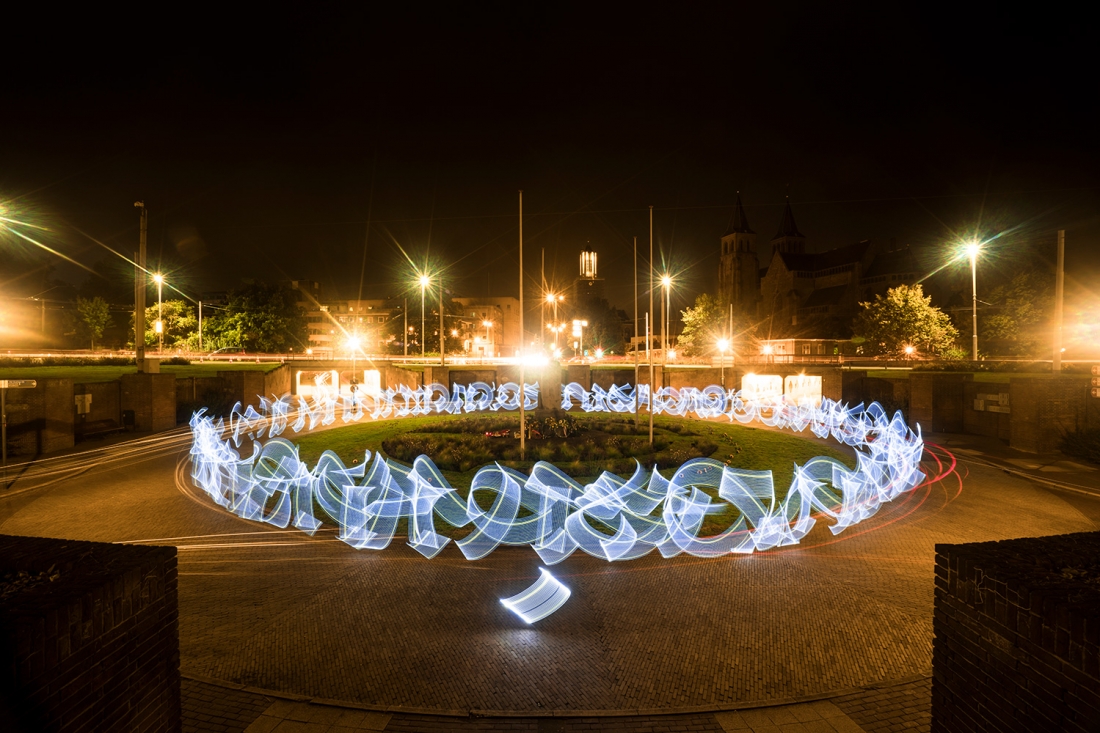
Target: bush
1082, 444
176, 361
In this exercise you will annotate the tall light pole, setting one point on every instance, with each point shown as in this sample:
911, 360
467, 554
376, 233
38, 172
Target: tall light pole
522, 392
666, 313
140, 284
723, 344
649, 320
442, 358
424, 281
972, 249
1059, 291
159, 280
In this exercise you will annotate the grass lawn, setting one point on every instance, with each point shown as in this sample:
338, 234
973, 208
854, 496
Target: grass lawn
735, 444
85, 374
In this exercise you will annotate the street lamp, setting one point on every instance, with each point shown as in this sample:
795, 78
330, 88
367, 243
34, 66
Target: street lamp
488, 324
909, 352
159, 326
972, 250
578, 333
666, 311
424, 282
723, 344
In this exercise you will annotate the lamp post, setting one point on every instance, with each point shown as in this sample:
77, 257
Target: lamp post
578, 333
159, 280
488, 325
424, 281
972, 249
723, 344
666, 312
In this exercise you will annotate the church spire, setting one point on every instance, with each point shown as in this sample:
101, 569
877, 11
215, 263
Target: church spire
739, 224
787, 226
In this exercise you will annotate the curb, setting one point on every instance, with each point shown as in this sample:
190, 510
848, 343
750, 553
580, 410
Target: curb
620, 713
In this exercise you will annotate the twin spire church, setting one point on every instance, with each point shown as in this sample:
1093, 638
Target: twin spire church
791, 292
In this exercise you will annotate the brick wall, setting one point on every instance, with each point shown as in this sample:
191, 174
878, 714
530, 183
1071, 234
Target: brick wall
40, 420
105, 401
1017, 635
991, 420
152, 397
97, 648
1044, 409
277, 382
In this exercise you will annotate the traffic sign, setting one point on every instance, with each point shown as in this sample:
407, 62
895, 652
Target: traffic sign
1096, 370
1096, 391
18, 384
1096, 381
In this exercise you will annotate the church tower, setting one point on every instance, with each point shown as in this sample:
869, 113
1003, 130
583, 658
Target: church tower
739, 267
788, 239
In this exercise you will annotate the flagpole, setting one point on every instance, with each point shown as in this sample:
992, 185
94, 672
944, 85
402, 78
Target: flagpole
522, 393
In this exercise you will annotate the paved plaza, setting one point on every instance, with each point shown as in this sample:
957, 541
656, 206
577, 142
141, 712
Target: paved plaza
281, 631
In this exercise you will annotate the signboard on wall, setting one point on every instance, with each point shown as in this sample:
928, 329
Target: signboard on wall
761, 387
802, 389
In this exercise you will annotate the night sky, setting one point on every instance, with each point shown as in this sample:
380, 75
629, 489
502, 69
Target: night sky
263, 142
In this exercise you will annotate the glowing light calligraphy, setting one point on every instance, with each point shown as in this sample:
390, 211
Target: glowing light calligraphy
540, 600
613, 518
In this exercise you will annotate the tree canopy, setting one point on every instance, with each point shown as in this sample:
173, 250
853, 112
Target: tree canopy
1019, 326
904, 317
180, 324
258, 317
704, 324
94, 315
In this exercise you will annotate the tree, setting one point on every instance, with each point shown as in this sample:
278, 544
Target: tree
904, 317
94, 316
605, 325
1018, 328
179, 323
704, 323
258, 317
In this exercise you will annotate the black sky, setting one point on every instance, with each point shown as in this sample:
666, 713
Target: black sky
262, 140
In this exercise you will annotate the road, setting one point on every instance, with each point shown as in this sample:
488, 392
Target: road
283, 611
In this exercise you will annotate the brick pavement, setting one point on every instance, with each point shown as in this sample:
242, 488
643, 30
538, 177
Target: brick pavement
283, 611
904, 707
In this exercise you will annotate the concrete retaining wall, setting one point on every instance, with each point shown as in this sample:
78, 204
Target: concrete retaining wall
97, 647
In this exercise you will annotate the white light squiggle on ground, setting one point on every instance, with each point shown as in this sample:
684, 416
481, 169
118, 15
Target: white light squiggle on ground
540, 600
640, 514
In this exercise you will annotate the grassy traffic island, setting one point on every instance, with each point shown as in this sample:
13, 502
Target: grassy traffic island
581, 445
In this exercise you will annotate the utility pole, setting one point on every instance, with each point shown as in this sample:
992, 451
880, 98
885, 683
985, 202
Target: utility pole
635, 331
139, 290
405, 333
442, 358
1059, 291
542, 304
522, 394
200, 325
652, 284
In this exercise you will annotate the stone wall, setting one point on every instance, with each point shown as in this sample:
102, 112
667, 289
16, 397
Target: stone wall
40, 420
89, 637
1017, 635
